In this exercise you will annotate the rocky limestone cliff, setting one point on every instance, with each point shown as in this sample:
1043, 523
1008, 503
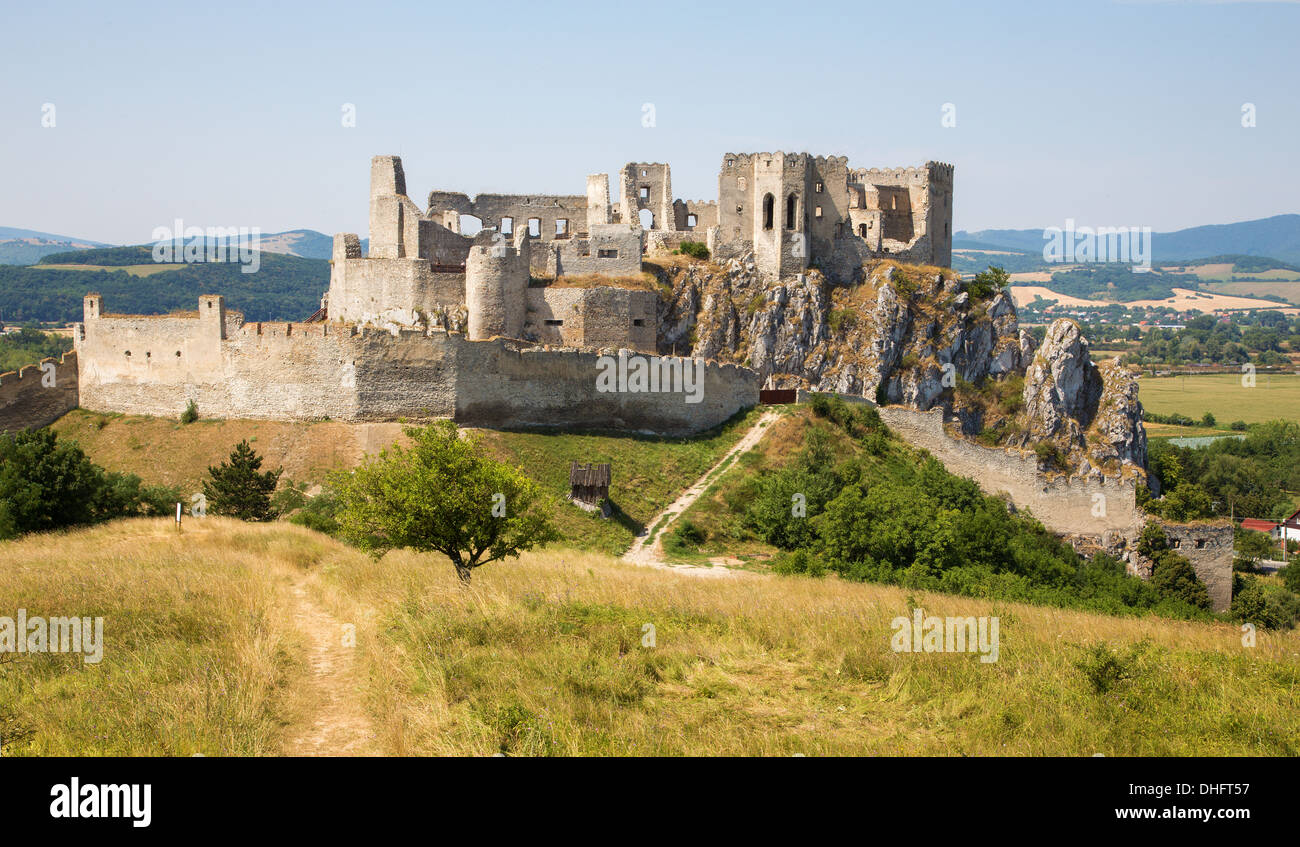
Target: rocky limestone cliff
920, 337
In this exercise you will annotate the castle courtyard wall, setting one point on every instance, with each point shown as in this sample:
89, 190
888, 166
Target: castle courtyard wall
286, 371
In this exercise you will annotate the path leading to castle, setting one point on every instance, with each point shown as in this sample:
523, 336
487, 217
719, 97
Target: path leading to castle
645, 552
334, 721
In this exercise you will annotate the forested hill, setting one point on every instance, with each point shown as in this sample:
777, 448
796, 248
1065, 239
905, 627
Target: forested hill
283, 288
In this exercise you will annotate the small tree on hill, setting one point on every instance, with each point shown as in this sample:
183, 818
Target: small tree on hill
443, 494
238, 489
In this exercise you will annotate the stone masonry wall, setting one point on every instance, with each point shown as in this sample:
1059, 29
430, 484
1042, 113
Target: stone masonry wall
1067, 507
1208, 546
312, 371
592, 317
37, 395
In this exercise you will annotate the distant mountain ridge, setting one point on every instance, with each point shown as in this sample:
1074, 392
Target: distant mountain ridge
27, 247
1277, 237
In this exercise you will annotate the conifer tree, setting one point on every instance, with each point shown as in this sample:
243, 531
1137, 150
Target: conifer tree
238, 489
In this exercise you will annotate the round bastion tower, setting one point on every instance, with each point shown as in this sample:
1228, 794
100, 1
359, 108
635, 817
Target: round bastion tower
496, 289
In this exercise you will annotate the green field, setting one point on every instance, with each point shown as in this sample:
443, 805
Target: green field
1224, 396
1289, 290
133, 270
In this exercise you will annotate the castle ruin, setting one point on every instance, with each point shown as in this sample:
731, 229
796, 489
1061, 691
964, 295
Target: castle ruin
505, 327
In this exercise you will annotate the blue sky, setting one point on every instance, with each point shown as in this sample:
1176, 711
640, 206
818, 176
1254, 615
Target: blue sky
1109, 113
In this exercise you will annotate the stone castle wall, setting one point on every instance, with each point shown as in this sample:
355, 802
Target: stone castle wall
1065, 506
597, 317
1105, 510
1208, 546
37, 395
154, 366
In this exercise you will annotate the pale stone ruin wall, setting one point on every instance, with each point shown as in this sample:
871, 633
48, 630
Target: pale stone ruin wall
794, 210
423, 276
36, 395
1065, 506
612, 250
647, 185
1105, 510
312, 371
1208, 546
592, 317
496, 290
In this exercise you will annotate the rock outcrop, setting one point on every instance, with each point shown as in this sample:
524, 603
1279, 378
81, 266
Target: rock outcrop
919, 337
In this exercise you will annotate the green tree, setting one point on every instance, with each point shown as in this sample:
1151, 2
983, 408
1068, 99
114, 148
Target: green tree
46, 484
1253, 546
988, 283
1291, 576
442, 494
238, 489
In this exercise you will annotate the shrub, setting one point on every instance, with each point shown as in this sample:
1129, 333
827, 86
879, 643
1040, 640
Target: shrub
1050, 456
1266, 606
46, 484
1175, 578
191, 413
841, 320
287, 500
319, 513
691, 533
988, 283
799, 562
695, 249
1105, 667
1291, 576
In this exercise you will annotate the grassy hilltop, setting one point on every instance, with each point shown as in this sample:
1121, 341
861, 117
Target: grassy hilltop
212, 639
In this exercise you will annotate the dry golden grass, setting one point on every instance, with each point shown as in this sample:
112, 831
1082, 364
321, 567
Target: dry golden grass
544, 655
163, 451
199, 648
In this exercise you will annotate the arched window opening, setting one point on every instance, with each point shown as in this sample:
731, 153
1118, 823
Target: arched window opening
769, 210
790, 203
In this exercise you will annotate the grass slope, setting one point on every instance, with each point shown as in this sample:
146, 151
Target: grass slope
648, 471
199, 652
163, 451
544, 655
